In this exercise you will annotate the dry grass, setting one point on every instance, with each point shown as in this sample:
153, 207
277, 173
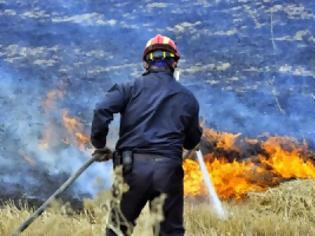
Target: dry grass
286, 210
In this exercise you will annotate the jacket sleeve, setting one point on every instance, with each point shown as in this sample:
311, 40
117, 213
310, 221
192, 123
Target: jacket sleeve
194, 131
114, 102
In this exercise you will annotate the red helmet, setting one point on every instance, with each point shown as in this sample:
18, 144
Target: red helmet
163, 43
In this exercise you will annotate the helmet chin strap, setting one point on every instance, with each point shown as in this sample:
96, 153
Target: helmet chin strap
155, 69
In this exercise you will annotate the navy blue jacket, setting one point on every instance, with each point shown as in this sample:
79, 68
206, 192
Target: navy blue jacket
158, 116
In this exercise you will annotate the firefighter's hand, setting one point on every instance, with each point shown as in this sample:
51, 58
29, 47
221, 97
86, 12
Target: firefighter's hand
190, 154
102, 154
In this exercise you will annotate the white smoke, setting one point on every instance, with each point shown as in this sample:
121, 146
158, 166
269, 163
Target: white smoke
23, 124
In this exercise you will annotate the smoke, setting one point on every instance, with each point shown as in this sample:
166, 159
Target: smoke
24, 124
257, 113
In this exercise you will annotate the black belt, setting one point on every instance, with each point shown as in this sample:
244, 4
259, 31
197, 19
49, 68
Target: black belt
145, 156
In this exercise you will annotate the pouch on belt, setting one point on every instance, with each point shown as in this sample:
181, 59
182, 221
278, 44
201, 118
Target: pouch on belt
124, 158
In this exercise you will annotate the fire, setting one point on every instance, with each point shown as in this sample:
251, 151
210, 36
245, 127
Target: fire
286, 158
237, 164
277, 159
75, 129
52, 136
223, 140
82, 138
231, 180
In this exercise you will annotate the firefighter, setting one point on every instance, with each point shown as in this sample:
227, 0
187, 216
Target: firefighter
159, 117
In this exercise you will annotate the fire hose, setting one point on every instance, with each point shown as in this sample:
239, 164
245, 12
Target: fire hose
46, 204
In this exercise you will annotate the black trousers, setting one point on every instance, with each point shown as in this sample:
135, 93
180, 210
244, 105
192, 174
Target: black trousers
151, 176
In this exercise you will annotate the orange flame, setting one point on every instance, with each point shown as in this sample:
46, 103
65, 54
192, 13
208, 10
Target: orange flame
75, 129
231, 180
286, 158
224, 140
82, 138
280, 158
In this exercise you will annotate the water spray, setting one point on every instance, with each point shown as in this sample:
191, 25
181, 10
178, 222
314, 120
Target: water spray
213, 196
